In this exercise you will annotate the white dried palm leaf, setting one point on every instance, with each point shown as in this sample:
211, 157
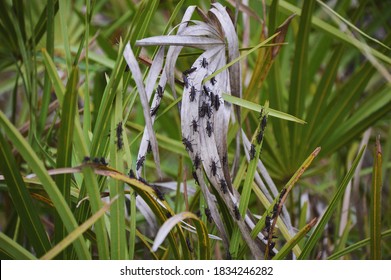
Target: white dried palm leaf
205, 115
135, 69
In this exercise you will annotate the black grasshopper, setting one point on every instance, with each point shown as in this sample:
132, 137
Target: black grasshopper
131, 174
283, 192
252, 152
236, 212
159, 91
154, 110
205, 109
185, 75
275, 210
194, 125
204, 63
185, 80
223, 185
188, 144
209, 128
263, 123
118, 131
188, 243
268, 223
195, 177
189, 71
140, 162
142, 180
158, 192
103, 161
208, 215
260, 136
197, 161
193, 93
216, 102
213, 168
206, 90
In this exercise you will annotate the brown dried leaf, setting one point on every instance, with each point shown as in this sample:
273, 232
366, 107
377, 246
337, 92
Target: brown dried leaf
281, 30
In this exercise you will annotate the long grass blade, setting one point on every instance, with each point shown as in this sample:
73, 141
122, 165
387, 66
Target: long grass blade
317, 109
41, 25
347, 96
203, 239
288, 187
10, 249
258, 108
335, 32
284, 251
317, 233
50, 52
248, 183
375, 212
118, 243
356, 246
59, 88
65, 141
299, 76
375, 106
77, 232
23, 203
274, 78
64, 8
160, 208
47, 182
96, 205
342, 19
132, 63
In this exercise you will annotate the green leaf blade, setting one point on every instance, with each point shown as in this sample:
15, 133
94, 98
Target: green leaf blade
65, 142
317, 233
375, 212
47, 182
22, 201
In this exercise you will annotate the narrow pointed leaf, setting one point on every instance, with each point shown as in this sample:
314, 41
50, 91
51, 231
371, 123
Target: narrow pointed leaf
375, 219
10, 249
132, 63
47, 182
256, 107
203, 239
384, 235
77, 232
23, 203
317, 233
284, 251
65, 142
